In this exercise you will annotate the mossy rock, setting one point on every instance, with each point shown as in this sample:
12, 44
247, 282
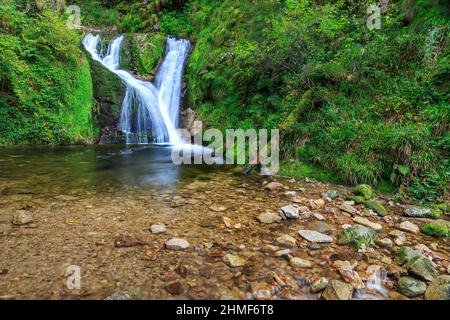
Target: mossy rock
416, 263
406, 254
142, 52
357, 236
109, 92
332, 194
376, 207
364, 190
434, 214
436, 229
356, 199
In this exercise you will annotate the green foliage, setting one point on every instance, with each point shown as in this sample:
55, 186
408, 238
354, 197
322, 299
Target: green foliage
45, 82
367, 106
436, 229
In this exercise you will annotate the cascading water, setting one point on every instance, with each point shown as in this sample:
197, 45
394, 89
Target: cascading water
149, 112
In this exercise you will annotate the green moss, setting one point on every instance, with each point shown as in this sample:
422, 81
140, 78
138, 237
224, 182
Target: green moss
356, 199
376, 207
364, 190
434, 214
434, 229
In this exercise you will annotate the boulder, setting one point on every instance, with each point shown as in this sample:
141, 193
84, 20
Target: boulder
368, 223
22, 217
357, 236
409, 226
319, 285
411, 287
416, 212
376, 207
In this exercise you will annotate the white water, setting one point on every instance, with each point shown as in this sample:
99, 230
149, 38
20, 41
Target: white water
149, 112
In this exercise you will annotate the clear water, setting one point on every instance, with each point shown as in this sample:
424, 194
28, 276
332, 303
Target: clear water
72, 169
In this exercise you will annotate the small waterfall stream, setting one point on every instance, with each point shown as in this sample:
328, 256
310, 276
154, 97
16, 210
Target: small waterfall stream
150, 112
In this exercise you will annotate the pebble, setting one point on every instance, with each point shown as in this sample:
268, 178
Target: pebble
368, 223
22, 217
319, 285
299, 263
158, 228
269, 217
234, 261
286, 240
177, 244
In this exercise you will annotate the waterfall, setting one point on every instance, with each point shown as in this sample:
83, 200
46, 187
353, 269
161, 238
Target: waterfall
150, 112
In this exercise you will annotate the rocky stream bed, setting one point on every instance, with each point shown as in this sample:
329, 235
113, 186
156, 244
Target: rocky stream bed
220, 236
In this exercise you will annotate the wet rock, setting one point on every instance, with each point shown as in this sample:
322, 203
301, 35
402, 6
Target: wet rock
332, 194
174, 288
291, 211
158, 228
120, 295
273, 186
350, 276
268, 248
394, 295
386, 242
261, 290
320, 226
364, 190
177, 202
368, 223
314, 246
229, 223
357, 236
286, 240
283, 253
319, 217
217, 208
315, 204
319, 285
338, 290
314, 236
234, 261
348, 208
416, 212
411, 287
177, 244
22, 217
127, 241
290, 194
409, 226
269, 217
439, 289
299, 263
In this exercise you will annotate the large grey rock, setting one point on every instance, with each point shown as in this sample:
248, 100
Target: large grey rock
411, 287
291, 211
416, 263
416, 212
314, 236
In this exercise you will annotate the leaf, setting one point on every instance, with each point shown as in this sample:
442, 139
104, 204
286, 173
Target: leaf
404, 170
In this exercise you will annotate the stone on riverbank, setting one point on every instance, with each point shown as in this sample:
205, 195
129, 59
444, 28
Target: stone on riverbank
357, 236
234, 261
314, 236
22, 217
177, 244
439, 289
338, 290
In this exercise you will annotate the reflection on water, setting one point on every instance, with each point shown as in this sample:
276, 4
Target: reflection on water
36, 170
